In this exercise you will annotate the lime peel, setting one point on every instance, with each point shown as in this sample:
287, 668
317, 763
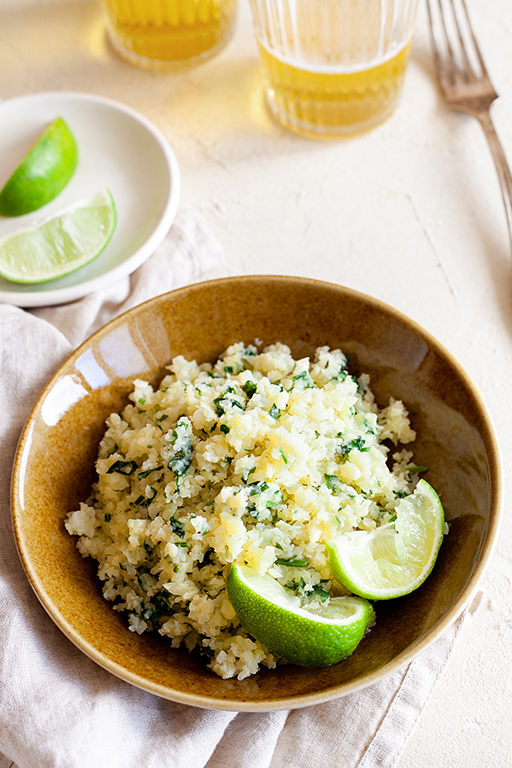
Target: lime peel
61, 243
396, 558
43, 173
295, 634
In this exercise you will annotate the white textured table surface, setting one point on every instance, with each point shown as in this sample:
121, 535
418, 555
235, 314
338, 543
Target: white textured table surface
411, 214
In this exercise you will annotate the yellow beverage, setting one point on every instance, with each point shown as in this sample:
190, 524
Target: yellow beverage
162, 34
337, 101
333, 68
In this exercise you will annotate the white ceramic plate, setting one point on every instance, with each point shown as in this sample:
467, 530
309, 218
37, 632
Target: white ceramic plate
119, 149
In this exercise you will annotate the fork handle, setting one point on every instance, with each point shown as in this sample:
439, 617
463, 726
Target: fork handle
500, 162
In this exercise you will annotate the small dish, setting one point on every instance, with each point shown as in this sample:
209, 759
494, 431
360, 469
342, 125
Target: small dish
119, 149
54, 470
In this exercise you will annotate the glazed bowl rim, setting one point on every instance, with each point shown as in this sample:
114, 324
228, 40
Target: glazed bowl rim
294, 701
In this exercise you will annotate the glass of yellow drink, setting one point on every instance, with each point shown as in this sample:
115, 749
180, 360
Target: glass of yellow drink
333, 68
169, 34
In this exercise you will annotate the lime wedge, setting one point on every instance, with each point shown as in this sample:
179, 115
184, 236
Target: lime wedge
396, 558
61, 243
273, 615
43, 172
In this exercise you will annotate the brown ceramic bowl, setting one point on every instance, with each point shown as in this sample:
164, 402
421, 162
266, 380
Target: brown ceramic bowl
54, 470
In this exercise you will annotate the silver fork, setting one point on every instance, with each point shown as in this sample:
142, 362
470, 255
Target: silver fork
464, 80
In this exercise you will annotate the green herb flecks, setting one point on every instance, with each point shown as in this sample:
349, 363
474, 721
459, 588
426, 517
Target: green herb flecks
162, 605
123, 467
246, 473
291, 562
182, 443
177, 527
344, 447
250, 388
149, 549
150, 495
275, 501
259, 487
333, 483
274, 412
304, 380
228, 399
158, 422
320, 592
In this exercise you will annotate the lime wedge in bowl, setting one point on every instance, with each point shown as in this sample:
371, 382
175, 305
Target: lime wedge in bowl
395, 558
60, 244
43, 172
273, 615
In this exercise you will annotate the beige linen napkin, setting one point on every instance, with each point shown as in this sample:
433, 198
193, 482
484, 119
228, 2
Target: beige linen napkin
60, 710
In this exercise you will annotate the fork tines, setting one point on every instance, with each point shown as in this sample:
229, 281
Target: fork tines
456, 49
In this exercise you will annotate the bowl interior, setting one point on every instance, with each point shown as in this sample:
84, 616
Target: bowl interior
54, 470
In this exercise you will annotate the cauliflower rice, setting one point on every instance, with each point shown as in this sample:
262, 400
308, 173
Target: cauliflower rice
259, 459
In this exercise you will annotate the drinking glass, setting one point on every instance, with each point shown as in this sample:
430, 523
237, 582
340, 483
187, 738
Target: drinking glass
333, 68
169, 34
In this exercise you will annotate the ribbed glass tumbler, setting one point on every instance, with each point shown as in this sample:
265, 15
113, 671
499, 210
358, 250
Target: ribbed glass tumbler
333, 68
169, 34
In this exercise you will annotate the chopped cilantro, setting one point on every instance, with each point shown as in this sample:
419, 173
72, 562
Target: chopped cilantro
250, 388
341, 375
321, 593
333, 482
224, 401
246, 473
177, 527
182, 458
276, 501
258, 487
304, 378
291, 562
162, 604
357, 443
147, 501
123, 467
274, 412
141, 584
251, 509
